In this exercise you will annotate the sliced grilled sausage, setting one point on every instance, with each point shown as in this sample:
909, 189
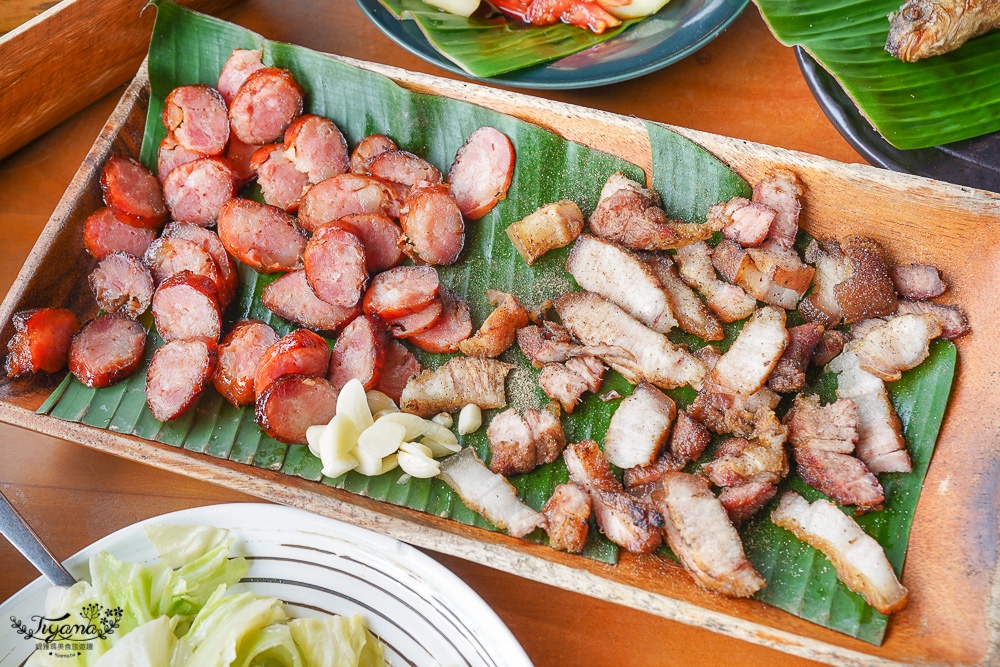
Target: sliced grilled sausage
107, 349
198, 118
291, 298
240, 65
122, 284
317, 147
265, 105
408, 325
400, 366
283, 185
238, 156
293, 404
433, 225
454, 326
228, 279
133, 193
359, 353
481, 172
342, 195
185, 305
239, 357
103, 234
335, 266
401, 291
380, 237
178, 374
197, 190
41, 341
368, 149
169, 255
261, 236
403, 167
172, 155
299, 353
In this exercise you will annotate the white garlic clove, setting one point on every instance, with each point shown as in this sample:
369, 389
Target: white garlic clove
415, 426
444, 419
353, 404
416, 448
380, 402
382, 439
438, 448
312, 438
338, 466
440, 433
339, 437
390, 462
418, 466
470, 419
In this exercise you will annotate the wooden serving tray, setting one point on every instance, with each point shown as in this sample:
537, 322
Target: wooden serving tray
951, 569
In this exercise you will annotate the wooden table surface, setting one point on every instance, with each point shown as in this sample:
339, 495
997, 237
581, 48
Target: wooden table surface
744, 84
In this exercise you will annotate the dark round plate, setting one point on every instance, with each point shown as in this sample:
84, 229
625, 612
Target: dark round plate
675, 32
972, 162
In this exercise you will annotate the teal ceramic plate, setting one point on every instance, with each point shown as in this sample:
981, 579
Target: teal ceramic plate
675, 32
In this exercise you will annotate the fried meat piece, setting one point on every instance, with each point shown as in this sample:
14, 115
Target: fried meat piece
728, 413
552, 226
743, 221
499, 331
547, 345
567, 512
760, 458
782, 266
868, 290
742, 502
737, 266
745, 367
832, 269
789, 375
917, 281
459, 382
898, 345
521, 443
829, 346
568, 382
780, 190
687, 442
639, 427
953, 320
692, 315
727, 301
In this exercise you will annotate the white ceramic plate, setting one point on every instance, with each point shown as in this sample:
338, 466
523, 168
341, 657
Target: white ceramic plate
422, 612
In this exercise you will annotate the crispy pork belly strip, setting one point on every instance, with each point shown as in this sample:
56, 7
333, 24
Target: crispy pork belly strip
400, 366
552, 226
520, 443
728, 413
316, 147
692, 315
896, 346
562, 384
631, 215
917, 281
239, 355
783, 266
261, 236
832, 269
41, 340
880, 433
861, 328
481, 172
780, 190
868, 290
107, 349
789, 375
590, 369
823, 443
689, 439
742, 502
743, 221
488, 493
454, 385
762, 458
699, 532
122, 284
240, 65
547, 345
953, 320
644, 476
744, 368
595, 321
566, 513
622, 278
291, 298
727, 301
499, 331
859, 560
735, 264
178, 374
622, 518
639, 427
829, 346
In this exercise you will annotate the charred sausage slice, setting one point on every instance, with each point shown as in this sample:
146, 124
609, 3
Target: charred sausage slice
185, 305
342, 195
409, 325
103, 234
335, 266
293, 404
368, 149
107, 349
172, 155
454, 326
241, 64
433, 225
228, 279
299, 353
291, 298
239, 356
401, 291
168, 255
122, 284
316, 147
359, 353
380, 237
178, 374
133, 193
238, 156
403, 167
283, 185
400, 366
481, 172
261, 236
41, 341
198, 118
265, 105
197, 190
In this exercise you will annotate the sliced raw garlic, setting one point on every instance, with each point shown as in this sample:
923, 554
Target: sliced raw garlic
417, 465
339, 437
338, 466
379, 402
382, 413
390, 462
312, 438
416, 448
415, 426
444, 419
470, 419
382, 439
353, 404
440, 433
439, 448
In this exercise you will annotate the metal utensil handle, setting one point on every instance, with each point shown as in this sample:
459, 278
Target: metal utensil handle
19, 533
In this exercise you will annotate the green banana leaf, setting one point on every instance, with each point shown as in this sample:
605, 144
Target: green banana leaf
913, 105
190, 48
488, 47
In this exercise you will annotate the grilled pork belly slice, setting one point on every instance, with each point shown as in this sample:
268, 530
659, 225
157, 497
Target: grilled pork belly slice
868, 290
639, 427
823, 443
917, 281
789, 375
692, 315
552, 226
832, 269
547, 345
830, 344
605, 268
953, 320
568, 382
567, 513
743, 221
630, 214
624, 519
736, 265
459, 382
700, 533
880, 434
489, 494
742, 502
521, 443
499, 331
759, 459
745, 367
687, 442
859, 560
861, 328
900, 344
780, 190
782, 265
729, 302
728, 413
596, 322
644, 476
